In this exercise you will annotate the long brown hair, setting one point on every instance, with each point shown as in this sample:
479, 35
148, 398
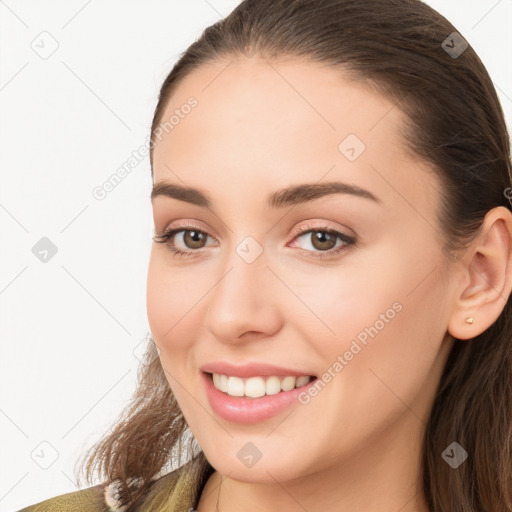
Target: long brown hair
456, 124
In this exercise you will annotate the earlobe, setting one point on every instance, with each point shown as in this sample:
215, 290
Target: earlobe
487, 277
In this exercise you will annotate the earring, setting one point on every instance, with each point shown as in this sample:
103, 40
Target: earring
469, 320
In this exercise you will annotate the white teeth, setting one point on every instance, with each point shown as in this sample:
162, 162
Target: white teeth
220, 382
255, 387
235, 386
288, 383
272, 386
223, 383
301, 381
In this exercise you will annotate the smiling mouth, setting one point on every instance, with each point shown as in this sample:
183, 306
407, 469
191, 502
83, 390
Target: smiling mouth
258, 386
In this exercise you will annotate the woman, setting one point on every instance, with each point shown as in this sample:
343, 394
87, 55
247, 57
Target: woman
328, 288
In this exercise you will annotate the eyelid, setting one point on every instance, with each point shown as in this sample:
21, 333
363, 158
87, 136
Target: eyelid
300, 229
305, 226
186, 224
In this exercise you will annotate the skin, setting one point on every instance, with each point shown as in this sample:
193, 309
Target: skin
260, 126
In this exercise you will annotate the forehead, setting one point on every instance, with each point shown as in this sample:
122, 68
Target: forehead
271, 123
272, 104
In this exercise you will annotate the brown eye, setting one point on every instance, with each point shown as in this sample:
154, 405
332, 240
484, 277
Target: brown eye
193, 239
323, 240
189, 242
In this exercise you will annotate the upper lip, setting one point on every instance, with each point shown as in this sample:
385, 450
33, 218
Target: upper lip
250, 369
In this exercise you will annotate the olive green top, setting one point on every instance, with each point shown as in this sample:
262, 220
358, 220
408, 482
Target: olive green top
170, 492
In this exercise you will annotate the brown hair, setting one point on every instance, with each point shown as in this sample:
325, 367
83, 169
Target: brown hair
455, 123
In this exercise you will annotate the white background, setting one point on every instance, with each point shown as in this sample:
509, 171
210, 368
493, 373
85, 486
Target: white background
70, 326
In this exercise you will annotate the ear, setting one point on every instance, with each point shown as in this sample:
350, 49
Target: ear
486, 277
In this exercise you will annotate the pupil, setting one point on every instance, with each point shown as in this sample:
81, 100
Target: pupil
193, 237
324, 239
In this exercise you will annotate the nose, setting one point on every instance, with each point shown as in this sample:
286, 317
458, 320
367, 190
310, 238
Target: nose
245, 302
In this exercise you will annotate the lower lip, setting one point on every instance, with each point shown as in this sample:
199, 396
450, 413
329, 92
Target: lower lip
250, 410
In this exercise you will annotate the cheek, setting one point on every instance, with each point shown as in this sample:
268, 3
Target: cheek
172, 309
347, 299
384, 314
394, 332
174, 301
383, 361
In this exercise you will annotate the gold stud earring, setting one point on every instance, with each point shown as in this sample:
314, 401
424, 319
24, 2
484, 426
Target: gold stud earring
469, 320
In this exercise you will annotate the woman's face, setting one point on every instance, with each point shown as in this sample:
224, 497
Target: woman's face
368, 319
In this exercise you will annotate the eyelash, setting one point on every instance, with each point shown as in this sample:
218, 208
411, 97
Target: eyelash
348, 240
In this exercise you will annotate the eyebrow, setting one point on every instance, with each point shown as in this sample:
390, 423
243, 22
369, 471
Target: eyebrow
296, 194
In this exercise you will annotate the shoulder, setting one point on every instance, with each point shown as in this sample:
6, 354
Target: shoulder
84, 500
172, 487
176, 491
